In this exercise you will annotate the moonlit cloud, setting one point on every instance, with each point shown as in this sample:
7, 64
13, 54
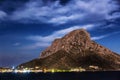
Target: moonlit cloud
36, 45
16, 44
58, 34
79, 11
99, 37
2, 15
45, 41
104, 36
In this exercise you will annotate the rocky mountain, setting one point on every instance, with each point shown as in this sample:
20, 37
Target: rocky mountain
76, 49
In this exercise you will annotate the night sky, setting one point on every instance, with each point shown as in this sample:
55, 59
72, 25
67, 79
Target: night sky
29, 26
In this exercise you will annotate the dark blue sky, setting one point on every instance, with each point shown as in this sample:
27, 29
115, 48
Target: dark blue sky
29, 26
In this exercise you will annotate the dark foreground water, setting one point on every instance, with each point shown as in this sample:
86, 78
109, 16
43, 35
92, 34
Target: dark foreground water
110, 75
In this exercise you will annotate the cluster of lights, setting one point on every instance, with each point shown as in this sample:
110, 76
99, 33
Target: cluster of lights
21, 71
37, 69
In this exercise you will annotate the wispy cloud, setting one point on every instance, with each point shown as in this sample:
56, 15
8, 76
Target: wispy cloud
16, 44
58, 34
44, 41
104, 36
99, 37
36, 45
79, 11
76, 11
2, 15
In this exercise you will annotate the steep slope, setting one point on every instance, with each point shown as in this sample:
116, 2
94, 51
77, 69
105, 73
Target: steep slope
74, 50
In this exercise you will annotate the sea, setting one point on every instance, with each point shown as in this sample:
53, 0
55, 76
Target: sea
105, 75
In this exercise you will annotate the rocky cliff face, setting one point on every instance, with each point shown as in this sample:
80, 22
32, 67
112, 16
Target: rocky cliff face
76, 42
76, 49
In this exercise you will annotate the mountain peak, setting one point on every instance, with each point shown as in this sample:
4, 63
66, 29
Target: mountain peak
77, 31
79, 37
75, 50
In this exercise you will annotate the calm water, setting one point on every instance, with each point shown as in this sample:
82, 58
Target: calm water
62, 76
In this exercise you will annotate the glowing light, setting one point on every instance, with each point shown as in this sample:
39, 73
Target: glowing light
15, 71
13, 67
26, 71
36, 67
52, 70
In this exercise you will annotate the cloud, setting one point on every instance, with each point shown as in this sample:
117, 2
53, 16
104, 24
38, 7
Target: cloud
16, 44
99, 37
36, 45
104, 36
2, 15
45, 41
79, 11
58, 34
